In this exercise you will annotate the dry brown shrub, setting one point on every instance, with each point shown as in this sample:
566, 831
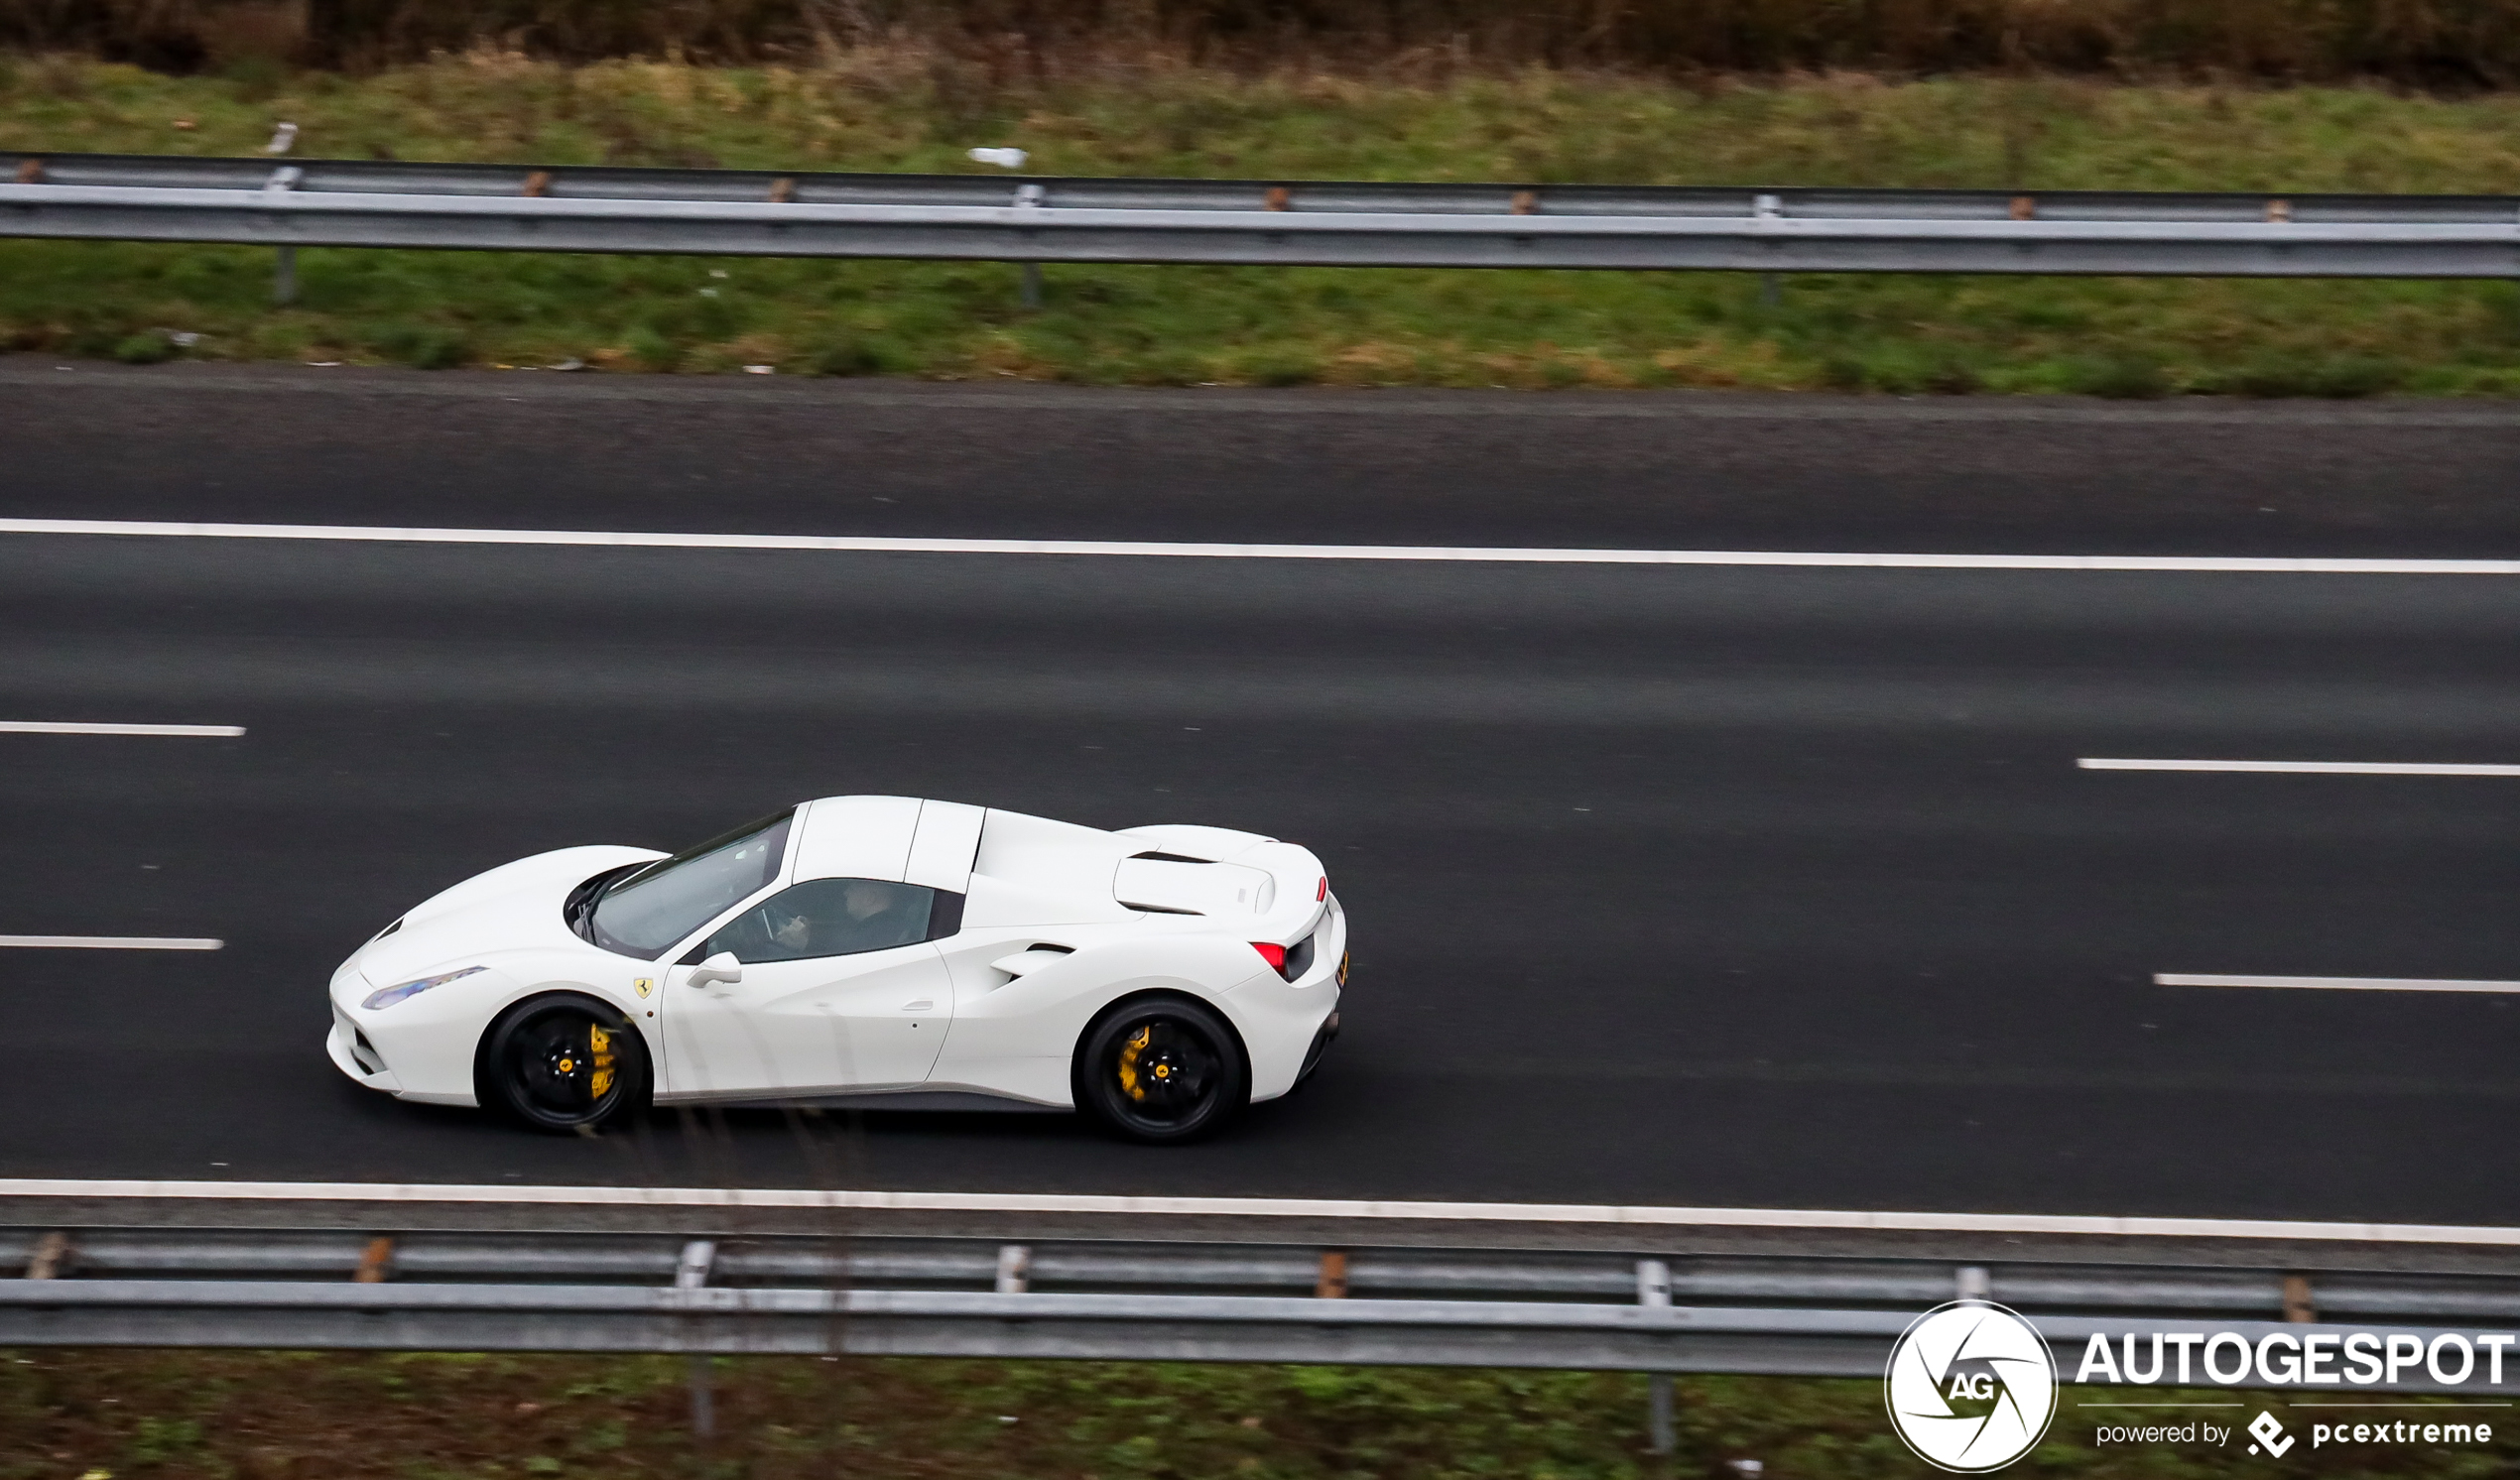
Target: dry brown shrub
2438, 42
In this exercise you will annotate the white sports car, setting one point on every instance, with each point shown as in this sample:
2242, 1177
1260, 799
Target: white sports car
1158, 978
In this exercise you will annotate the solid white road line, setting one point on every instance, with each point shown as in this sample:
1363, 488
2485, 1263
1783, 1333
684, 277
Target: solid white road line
2334, 983
882, 545
2308, 768
111, 942
59, 727
1266, 1208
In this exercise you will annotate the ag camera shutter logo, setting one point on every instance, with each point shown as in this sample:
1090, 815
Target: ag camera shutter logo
1971, 1387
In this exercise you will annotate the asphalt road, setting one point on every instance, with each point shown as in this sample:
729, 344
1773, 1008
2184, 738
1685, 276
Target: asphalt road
1669, 885
1008, 461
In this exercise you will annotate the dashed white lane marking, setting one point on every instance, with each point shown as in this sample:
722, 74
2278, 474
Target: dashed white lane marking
62, 727
872, 544
2308, 768
111, 942
2336, 983
1266, 1208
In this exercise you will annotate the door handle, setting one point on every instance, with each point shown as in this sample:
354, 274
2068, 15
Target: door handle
922, 1004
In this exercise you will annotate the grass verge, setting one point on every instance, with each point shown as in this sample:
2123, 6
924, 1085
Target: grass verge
273, 1415
1347, 326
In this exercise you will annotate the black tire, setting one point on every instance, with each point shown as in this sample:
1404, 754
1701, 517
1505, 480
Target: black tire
544, 1062
1160, 1069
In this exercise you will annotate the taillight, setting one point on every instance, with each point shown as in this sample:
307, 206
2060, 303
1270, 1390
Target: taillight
1289, 961
1324, 892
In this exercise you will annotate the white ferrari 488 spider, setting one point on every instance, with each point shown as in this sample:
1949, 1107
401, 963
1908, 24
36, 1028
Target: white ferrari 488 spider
855, 948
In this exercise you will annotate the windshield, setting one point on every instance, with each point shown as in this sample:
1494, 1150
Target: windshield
668, 900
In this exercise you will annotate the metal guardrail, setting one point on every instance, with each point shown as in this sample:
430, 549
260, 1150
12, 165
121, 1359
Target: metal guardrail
789, 1293
328, 202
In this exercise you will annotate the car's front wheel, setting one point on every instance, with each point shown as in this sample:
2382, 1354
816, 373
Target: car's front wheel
563, 1064
1160, 1069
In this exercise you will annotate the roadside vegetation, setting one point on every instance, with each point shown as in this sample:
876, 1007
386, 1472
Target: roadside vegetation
2433, 43
265, 1416
911, 107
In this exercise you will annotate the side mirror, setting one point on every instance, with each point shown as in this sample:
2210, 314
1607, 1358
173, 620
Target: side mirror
721, 967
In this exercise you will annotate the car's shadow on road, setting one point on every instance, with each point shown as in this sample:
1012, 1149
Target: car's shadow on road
1261, 1153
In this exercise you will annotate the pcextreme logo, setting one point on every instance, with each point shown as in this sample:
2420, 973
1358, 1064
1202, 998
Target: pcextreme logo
1970, 1386
2270, 1433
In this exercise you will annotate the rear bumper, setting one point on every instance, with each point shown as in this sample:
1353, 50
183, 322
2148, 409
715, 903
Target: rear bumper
1322, 1041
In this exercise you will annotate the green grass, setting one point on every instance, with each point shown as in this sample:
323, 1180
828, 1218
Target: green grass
1171, 325
266, 1416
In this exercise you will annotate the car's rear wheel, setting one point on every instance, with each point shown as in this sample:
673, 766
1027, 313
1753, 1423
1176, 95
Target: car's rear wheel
563, 1064
1161, 1069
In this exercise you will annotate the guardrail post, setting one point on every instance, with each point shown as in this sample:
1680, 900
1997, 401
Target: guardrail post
1029, 198
1654, 1288
1767, 209
1014, 1268
691, 1274
1972, 1282
284, 272
51, 1257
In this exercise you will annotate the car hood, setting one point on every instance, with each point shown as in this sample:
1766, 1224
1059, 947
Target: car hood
515, 906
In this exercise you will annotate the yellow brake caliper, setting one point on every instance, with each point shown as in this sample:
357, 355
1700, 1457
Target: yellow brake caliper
1129, 1052
599, 1043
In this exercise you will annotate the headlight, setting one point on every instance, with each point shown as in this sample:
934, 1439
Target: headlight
388, 996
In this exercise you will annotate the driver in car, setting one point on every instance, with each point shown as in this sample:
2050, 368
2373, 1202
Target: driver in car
862, 901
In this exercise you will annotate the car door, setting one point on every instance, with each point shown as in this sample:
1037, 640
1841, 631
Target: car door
840, 991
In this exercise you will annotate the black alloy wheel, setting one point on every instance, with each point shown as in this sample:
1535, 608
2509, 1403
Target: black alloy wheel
1162, 1070
563, 1064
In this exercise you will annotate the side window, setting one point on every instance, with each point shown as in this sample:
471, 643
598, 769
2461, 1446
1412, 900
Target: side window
826, 917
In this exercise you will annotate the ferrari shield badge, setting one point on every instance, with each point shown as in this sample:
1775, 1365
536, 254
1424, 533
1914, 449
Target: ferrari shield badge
643, 985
